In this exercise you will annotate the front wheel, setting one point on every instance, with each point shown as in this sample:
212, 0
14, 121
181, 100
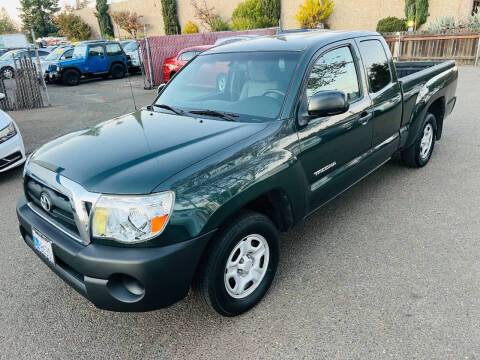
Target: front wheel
240, 265
420, 152
71, 77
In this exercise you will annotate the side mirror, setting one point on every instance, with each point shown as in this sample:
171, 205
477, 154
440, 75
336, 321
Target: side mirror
2, 96
328, 102
160, 88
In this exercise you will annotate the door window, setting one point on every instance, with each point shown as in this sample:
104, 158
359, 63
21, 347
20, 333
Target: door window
95, 50
334, 70
113, 49
376, 62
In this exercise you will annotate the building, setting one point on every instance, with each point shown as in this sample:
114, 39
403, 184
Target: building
347, 14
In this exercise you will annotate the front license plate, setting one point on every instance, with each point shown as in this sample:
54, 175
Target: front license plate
43, 245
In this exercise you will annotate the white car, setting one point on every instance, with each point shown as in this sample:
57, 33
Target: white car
12, 150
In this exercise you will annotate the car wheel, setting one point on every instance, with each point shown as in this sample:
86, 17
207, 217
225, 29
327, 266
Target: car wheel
118, 71
8, 72
420, 152
240, 265
71, 77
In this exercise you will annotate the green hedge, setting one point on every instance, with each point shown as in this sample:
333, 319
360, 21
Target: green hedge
256, 14
391, 24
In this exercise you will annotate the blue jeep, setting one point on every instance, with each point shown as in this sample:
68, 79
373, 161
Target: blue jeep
89, 59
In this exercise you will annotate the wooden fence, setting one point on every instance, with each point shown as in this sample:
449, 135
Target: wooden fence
462, 46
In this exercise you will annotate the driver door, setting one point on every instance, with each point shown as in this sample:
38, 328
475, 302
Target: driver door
332, 147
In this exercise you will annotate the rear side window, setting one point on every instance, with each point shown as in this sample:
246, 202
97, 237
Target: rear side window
95, 50
376, 62
113, 49
334, 70
187, 55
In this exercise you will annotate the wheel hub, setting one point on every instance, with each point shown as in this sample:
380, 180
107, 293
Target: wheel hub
426, 141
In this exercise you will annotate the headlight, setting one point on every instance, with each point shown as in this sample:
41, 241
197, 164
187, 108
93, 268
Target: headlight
130, 218
8, 132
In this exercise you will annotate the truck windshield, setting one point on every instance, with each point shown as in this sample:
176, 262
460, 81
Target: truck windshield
251, 86
79, 51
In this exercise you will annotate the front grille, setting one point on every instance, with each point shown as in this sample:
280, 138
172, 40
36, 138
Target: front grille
61, 211
10, 159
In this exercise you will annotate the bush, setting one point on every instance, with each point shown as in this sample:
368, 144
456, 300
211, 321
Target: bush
442, 23
313, 12
72, 26
218, 24
170, 18
391, 24
190, 28
473, 21
256, 14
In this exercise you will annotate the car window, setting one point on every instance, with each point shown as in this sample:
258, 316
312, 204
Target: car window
43, 53
79, 51
67, 54
95, 50
113, 49
334, 70
187, 55
376, 62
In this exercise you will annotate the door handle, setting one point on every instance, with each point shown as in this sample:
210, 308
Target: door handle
365, 118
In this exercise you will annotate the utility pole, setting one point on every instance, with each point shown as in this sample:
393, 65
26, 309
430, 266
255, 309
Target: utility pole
39, 68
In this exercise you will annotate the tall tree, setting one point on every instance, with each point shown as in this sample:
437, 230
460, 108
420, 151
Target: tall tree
38, 15
416, 10
72, 26
104, 21
170, 18
7, 25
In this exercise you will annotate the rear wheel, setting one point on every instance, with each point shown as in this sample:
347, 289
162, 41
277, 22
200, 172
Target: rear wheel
420, 152
118, 71
71, 77
7, 72
240, 265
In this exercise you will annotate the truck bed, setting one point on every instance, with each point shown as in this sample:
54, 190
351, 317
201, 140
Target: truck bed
405, 68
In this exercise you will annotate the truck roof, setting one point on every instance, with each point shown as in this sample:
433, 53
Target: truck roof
289, 42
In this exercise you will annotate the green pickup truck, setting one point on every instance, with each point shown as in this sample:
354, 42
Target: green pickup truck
193, 190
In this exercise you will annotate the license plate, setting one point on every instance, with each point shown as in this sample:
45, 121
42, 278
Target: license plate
43, 245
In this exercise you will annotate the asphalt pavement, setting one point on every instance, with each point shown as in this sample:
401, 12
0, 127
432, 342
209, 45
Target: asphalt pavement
390, 269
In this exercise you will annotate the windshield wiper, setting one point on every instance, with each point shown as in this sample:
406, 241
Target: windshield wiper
219, 114
172, 109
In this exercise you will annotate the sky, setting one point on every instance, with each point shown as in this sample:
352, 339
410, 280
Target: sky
12, 5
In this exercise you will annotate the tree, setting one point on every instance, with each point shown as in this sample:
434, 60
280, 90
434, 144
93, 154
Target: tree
72, 26
208, 17
104, 21
38, 15
7, 25
416, 10
170, 18
255, 14
314, 12
128, 21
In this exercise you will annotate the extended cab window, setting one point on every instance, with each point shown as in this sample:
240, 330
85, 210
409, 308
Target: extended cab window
376, 62
334, 70
113, 49
95, 50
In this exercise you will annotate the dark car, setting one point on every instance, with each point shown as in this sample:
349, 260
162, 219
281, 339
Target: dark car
194, 189
89, 59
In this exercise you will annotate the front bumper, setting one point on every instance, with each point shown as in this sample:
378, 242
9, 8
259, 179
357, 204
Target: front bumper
52, 76
103, 274
12, 153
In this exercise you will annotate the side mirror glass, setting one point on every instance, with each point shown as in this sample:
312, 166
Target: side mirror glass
327, 103
2, 96
160, 88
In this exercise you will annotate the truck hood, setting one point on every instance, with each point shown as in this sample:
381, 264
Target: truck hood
69, 62
134, 153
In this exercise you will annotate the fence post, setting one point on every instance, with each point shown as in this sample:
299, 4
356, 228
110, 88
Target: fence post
478, 51
149, 60
39, 68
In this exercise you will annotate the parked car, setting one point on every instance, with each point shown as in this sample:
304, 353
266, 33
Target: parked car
7, 66
89, 59
130, 47
12, 150
173, 64
194, 189
59, 54
232, 39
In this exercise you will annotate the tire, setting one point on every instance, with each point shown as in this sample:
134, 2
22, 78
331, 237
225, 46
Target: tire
117, 71
71, 77
7, 72
420, 152
250, 242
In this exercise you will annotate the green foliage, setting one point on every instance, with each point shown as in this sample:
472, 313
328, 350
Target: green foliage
218, 24
313, 12
170, 18
442, 23
391, 24
104, 21
256, 14
72, 26
38, 15
473, 21
7, 25
416, 10
190, 28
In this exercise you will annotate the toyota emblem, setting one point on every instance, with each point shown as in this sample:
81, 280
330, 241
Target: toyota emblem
46, 202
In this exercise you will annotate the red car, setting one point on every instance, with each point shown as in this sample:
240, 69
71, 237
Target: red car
175, 63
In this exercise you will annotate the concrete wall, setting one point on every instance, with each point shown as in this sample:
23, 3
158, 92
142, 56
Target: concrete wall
347, 14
